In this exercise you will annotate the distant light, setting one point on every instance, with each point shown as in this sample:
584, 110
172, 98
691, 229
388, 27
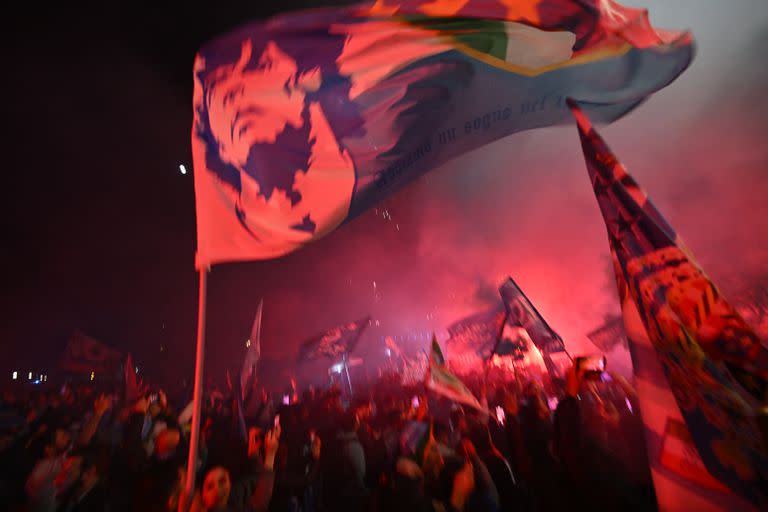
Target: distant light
182, 169
93, 375
629, 405
45, 378
41, 377
15, 375
336, 368
137, 370
36, 381
247, 343
29, 377
388, 352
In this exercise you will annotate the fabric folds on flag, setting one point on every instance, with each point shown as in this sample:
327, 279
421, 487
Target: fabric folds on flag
521, 312
253, 351
304, 121
334, 342
476, 333
699, 369
443, 382
609, 335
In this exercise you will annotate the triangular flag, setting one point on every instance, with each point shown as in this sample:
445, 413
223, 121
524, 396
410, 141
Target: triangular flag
131, 383
443, 382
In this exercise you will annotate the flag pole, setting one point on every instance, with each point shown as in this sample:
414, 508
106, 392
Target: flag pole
194, 440
346, 370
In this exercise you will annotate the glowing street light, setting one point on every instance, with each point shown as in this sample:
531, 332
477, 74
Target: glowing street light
93, 375
247, 343
182, 169
15, 375
29, 377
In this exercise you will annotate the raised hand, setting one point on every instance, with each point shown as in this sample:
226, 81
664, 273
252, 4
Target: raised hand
271, 444
102, 404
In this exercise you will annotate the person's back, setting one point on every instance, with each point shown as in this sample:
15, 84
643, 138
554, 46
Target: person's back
345, 473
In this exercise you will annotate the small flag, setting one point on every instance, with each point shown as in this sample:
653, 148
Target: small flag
699, 369
253, 351
521, 312
334, 342
443, 382
86, 354
304, 121
609, 335
132, 386
476, 333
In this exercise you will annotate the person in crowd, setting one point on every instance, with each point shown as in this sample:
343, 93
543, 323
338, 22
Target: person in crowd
85, 447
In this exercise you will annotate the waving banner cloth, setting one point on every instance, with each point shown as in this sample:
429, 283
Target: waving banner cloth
306, 120
520, 311
699, 369
334, 342
443, 382
476, 333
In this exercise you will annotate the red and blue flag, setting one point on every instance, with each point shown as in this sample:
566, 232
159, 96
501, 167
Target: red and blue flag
700, 370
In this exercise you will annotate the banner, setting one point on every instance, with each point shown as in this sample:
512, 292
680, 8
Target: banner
699, 369
304, 121
84, 354
334, 342
609, 335
476, 333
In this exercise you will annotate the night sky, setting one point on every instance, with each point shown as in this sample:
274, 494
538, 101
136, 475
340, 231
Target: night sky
100, 224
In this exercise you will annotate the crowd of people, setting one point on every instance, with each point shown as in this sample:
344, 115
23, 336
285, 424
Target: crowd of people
533, 446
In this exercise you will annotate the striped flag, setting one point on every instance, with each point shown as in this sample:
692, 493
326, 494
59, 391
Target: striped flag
443, 382
699, 369
306, 120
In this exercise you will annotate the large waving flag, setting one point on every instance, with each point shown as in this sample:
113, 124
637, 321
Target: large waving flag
699, 369
253, 352
334, 342
443, 382
303, 121
521, 312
